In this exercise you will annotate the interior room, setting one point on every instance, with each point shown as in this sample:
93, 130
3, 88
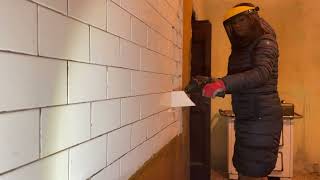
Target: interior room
138, 89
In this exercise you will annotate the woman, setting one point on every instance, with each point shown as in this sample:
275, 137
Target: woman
252, 80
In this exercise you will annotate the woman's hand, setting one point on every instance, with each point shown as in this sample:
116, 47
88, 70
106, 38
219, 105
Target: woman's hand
214, 89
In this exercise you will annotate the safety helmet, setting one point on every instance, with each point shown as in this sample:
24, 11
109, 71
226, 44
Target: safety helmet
257, 23
239, 10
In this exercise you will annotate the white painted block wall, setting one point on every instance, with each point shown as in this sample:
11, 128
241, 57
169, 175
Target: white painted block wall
82, 83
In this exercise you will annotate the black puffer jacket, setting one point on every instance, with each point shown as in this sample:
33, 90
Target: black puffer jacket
252, 81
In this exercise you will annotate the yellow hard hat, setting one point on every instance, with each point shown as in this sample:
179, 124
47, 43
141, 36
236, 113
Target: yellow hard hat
237, 10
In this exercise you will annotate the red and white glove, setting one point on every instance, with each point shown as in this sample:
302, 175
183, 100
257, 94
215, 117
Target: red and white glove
214, 88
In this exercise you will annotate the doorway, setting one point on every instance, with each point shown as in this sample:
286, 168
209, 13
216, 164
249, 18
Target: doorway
200, 114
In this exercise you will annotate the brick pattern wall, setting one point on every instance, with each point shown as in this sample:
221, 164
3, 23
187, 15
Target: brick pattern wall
82, 83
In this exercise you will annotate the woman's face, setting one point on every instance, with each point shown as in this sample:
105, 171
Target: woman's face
241, 25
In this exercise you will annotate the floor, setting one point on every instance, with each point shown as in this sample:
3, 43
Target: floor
218, 175
297, 176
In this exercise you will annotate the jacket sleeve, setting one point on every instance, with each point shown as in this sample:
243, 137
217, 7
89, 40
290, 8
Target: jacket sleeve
228, 73
265, 56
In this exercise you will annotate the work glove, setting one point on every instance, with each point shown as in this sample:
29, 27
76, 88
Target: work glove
216, 88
